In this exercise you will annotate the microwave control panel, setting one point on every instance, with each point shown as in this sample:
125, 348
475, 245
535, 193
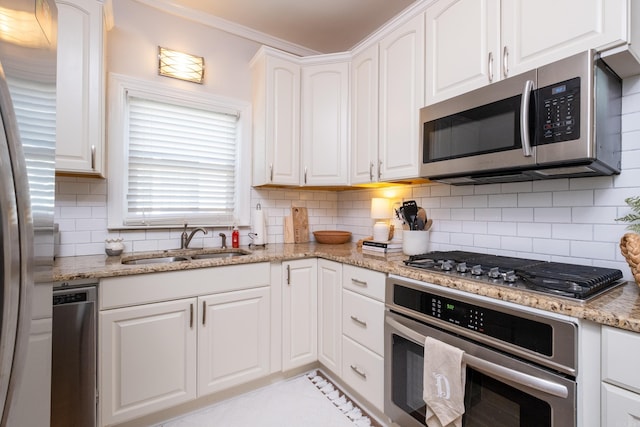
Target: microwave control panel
559, 112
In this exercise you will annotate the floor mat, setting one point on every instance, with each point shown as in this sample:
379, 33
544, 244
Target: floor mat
310, 400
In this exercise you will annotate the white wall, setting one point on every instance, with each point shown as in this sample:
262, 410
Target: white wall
568, 220
132, 49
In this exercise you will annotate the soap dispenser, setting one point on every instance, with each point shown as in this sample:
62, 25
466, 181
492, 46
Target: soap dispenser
235, 237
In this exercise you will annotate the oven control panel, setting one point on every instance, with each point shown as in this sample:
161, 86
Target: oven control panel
506, 327
456, 313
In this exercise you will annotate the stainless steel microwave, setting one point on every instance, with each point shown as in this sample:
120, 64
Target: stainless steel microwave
560, 120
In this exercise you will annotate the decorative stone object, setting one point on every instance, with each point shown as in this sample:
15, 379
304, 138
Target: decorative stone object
113, 247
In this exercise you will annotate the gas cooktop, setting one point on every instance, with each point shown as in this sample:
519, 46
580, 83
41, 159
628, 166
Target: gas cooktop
572, 281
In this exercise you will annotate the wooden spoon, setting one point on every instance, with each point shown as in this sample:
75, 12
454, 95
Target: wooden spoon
422, 218
428, 224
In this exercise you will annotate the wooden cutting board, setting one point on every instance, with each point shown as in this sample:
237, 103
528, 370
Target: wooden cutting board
288, 229
300, 225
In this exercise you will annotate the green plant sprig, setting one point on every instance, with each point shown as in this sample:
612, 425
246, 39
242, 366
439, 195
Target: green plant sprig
633, 217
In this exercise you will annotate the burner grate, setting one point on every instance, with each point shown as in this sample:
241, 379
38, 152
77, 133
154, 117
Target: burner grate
570, 280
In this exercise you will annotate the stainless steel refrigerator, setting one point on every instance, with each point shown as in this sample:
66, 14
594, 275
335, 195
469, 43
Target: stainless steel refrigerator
28, 33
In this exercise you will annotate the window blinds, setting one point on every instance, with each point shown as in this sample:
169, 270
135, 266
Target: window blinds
181, 163
35, 109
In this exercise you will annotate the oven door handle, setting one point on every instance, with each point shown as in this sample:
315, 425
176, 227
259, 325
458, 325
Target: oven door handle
496, 371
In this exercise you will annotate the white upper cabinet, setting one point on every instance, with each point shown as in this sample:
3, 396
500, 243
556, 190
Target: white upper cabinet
472, 43
80, 88
276, 118
458, 61
324, 124
401, 95
300, 119
540, 32
364, 116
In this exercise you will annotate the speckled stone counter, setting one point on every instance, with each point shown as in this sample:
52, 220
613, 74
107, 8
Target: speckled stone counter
620, 307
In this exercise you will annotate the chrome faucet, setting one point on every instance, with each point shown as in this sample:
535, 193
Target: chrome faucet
185, 239
224, 240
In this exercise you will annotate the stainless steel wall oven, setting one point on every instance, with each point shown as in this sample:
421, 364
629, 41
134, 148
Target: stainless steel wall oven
521, 364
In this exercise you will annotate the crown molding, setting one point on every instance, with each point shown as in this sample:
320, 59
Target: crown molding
388, 27
172, 8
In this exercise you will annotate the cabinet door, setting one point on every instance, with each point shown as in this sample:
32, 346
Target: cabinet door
233, 339
364, 117
80, 88
147, 358
329, 315
276, 121
619, 407
299, 313
540, 32
324, 124
401, 96
459, 61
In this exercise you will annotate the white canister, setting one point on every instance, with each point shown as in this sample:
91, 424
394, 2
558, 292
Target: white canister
415, 242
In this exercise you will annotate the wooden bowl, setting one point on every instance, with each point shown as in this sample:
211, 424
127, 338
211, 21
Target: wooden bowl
332, 237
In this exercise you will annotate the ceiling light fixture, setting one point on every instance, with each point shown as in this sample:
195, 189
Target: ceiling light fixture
180, 65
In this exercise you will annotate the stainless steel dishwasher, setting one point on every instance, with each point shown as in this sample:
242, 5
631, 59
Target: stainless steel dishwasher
73, 359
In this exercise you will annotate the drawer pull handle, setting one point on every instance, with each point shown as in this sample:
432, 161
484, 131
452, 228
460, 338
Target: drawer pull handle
359, 322
359, 282
359, 371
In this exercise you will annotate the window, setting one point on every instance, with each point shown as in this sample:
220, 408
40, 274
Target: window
176, 157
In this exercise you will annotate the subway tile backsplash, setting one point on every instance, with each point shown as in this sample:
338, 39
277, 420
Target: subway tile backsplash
564, 220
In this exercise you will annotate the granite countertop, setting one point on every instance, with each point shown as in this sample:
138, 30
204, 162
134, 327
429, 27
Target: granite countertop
619, 307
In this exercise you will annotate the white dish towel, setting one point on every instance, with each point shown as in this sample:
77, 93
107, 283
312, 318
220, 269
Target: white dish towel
443, 388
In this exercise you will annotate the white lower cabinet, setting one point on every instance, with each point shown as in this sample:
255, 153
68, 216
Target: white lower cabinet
363, 332
330, 315
620, 378
233, 339
620, 407
160, 347
299, 313
148, 358
363, 370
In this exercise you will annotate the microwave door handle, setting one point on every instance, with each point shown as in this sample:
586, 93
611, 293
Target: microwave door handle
492, 369
524, 118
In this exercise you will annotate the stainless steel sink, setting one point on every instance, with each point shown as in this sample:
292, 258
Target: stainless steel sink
156, 260
218, 255
163, 259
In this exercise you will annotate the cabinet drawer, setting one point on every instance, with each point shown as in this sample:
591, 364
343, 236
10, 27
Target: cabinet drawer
620, 350
363, 320
362, 370
364, 281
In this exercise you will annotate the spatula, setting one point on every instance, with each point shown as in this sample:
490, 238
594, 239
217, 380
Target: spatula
410, 211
